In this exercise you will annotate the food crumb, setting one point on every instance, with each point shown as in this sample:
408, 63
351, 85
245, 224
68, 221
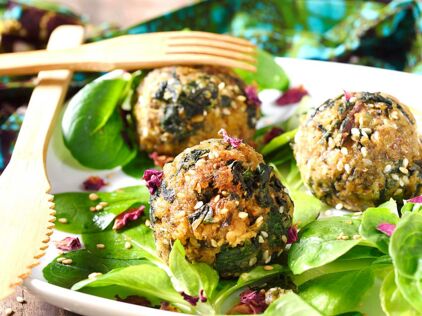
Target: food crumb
20, 299
268, 268
62, 220
128, 245
8, 311
93, 275
67, 261
100, 246
93, 196
339, 206
243, 215
60, 259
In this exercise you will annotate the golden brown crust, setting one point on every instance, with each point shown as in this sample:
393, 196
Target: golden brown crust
360, 153
180, 106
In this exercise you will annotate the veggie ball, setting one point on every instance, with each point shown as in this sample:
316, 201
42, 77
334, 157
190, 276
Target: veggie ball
224, 204
180, 106
359, 150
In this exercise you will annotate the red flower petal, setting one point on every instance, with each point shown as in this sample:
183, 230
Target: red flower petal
292, 235
386, 228
254, 299
252, 95
190, 299
293, 95
93, 183
130, 215
153, 178
347, 95
416, 200
273, 133
233, 141
69, 244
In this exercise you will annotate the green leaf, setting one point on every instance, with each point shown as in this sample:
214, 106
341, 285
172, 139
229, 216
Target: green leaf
338, 293
406, 252
278, 142
75, 207
137, 166
92, 125
83, 264
256, 275
320, 242
307, 206
269, 74
374, 216
291, 305
357, 258
144, 280
141, 238
392, 301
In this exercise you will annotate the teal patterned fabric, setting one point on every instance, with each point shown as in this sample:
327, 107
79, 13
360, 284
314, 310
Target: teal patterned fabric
380, 33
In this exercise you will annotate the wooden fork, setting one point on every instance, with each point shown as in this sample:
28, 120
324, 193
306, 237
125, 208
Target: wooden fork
132, 52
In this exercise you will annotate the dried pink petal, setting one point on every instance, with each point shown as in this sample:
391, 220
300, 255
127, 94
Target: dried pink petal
254, 299
190, 299
347, 95
93, 183
252, 95
69, 244
272, 133
293, 95
130, 215
416, 199
292, 235
160, 160
153, 178
233, 141
386, 228
202, 296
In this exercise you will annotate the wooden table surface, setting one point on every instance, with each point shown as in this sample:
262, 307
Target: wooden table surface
97, 11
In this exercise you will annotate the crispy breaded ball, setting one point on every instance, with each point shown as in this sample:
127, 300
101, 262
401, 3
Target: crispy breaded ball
224, 204
180, 106
359, 150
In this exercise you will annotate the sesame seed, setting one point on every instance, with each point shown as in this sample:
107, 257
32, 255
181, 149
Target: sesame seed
265, 255
268, 268
367, 130
340, 165
401, 183
93, 196
259, 220
364, 134
224, 193
217, 198
67, 261
356, 237
364, 151
355, 131
347, 168
237, 203
404, 170
100, 246
339, 206
198, 205
344, 150
264, 234
93, 275
214, 243
252, 261
345, 237
104, 204
260, 240
92, 209
376, 136
221, 85
128, 245
284, 238
20, 299
331, 143
405, 162
387, 168
395, 177
226, 112
394, 115
8, 311
241, 98
148, 223
62, 220
281, 209
60, 259
243, 215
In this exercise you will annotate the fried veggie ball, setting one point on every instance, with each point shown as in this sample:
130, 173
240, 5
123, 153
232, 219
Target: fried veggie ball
224, 204
180, 106
359, 150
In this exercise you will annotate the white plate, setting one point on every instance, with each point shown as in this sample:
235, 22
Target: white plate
322, 79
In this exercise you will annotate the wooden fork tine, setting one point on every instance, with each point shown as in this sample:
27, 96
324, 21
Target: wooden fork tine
201, 59
210, 43
210, 51
205, 35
